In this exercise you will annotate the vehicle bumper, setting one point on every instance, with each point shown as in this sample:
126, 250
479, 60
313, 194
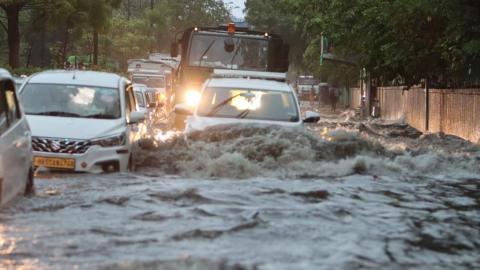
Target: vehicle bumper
94, 160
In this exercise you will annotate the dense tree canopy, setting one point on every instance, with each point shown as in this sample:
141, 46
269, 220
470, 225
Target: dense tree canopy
104, 33
402, 40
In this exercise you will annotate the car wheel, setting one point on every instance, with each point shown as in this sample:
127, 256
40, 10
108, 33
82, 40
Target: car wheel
30, 187
131, 165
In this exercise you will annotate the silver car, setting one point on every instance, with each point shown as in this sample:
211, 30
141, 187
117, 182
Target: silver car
16, 170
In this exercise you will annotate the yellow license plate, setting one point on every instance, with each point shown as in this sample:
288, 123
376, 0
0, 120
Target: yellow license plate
59, 163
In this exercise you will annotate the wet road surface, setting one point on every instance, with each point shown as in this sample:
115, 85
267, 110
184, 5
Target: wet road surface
344, 194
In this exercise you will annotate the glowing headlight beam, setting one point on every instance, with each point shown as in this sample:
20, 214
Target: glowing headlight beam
192, 98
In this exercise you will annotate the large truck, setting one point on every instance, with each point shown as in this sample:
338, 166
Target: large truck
304, 86
204, 49
155, 72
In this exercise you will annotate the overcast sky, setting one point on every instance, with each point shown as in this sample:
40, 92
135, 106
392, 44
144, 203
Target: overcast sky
237, 12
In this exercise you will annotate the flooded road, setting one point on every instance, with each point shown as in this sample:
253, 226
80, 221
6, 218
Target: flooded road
343, 194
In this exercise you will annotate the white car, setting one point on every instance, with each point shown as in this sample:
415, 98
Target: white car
81, 121
16, 172
232, 97
146, 99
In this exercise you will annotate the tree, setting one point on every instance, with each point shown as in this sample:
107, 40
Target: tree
98, 15
12, 9
405, 40
273, 16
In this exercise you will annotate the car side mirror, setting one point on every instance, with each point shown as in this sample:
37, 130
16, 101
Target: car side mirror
311, 117
183, 109
136, 117
174, 50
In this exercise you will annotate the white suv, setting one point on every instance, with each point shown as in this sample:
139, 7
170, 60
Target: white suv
243, 97
16, 173
81, 120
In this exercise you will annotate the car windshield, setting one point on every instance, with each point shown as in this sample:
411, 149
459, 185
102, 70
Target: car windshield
211, 51
154, 82
248, 104
71, 101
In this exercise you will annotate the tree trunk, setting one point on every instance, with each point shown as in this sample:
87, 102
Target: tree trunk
128, 10
13, 35
42, 47
95, 47
29, 54
65, 44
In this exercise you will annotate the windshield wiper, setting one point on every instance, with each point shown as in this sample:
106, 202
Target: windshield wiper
101, 116
220, 105
206, 51
57, 113
243, 114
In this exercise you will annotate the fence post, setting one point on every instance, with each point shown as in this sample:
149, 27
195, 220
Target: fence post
427, 104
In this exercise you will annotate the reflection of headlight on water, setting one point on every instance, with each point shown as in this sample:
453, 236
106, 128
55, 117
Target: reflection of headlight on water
165, 136
192, 98
324, 134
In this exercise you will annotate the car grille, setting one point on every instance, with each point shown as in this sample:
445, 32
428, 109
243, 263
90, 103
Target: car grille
64, 146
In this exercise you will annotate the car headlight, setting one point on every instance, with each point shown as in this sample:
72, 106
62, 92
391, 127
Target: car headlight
192, 98
111, 141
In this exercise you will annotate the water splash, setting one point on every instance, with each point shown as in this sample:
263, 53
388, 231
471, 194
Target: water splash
244, 151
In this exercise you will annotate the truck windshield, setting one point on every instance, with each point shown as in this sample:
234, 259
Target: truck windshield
307, 81
149, 81
209, 51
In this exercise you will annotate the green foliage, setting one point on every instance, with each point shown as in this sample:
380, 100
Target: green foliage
53, 29
406, 40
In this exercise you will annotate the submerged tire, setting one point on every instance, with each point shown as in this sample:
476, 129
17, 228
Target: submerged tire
30, 186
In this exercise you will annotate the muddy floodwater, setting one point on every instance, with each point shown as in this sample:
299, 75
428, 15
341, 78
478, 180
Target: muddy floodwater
342, 194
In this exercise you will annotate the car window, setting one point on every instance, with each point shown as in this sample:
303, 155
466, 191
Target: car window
248, 104
3, 110
152, 81
13, 111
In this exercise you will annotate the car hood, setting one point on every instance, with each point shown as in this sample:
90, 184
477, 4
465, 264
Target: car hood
74, 128
201, 123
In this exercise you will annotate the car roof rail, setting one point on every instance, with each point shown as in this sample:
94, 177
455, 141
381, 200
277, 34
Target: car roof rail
248, 74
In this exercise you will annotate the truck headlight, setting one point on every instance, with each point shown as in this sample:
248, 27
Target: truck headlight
110, 141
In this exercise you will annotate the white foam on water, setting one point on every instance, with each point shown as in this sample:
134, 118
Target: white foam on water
249, 151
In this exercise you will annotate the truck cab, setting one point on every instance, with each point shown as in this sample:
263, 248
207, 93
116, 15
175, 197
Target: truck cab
204, 49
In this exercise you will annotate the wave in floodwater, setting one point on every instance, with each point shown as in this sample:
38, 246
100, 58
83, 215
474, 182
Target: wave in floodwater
244, 151
377, 218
